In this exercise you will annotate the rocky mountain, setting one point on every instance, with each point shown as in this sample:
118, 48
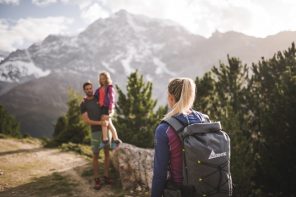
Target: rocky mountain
34, 81
3, 54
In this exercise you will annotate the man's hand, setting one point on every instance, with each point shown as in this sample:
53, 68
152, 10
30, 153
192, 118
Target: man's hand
105, 117
88, 121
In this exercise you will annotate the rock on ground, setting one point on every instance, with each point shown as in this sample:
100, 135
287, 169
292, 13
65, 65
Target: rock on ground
135, 165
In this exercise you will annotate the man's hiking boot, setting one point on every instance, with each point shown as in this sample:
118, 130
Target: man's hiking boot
115, 143
97, 184
108, 180
104, 144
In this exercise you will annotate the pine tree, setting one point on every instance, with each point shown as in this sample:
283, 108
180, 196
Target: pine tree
259, 115
71, 128
60, 127
231, 81
135, 116
273, 90
205, 94
8, 124
221, 95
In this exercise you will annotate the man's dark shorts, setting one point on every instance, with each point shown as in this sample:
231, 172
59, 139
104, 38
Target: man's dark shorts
105, 110
95, 141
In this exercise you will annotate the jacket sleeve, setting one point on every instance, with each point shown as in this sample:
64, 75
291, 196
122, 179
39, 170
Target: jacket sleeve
96, 95
161, 160
111, 93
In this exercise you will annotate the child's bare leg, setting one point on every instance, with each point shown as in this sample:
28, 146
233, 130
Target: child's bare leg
113, 130
105, 129
116, 141
104, 133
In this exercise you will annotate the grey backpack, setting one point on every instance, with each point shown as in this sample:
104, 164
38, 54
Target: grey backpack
206, 159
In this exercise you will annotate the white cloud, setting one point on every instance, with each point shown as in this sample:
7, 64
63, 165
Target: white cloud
90, 10
93, 12
198, 16
209, 16
43, 3
29, 30
13, 2
82, 4
203, 17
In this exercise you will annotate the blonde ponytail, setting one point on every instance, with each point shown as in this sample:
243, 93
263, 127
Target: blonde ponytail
183, 90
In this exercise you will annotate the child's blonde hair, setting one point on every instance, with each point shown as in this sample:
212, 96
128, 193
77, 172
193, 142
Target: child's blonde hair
183, 90
107, 75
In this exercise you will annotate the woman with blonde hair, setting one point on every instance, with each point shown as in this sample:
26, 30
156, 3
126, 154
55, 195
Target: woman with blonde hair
168, 146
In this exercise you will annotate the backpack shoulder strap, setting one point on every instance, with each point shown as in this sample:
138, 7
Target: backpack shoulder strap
173, 122
204, 118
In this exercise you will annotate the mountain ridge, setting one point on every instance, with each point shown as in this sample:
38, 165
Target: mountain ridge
159, 49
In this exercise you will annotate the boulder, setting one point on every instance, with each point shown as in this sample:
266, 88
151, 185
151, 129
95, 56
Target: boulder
135, 165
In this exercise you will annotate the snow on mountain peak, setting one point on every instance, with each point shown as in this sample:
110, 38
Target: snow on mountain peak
126, 63
3, 55
124, 39
13, 71
121, 13
135, 27
161, 67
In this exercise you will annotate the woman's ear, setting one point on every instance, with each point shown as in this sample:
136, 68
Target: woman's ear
171, 100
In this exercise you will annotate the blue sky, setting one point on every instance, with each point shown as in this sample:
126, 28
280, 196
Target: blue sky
27, 8
23, 22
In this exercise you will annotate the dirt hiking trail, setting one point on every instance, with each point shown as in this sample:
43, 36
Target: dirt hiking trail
28, 169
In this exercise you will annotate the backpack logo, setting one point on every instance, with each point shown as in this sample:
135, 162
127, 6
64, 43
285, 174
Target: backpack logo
215, 155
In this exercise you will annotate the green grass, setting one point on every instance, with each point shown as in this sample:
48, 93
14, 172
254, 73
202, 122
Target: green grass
77, 148
27, 139
3, 136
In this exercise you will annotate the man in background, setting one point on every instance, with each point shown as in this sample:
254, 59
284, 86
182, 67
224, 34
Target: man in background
91, 115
